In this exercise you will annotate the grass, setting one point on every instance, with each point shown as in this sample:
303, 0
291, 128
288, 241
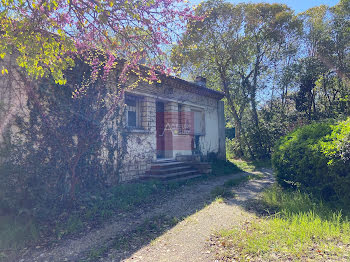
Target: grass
94, 208
250, 166
302, 228
225, 191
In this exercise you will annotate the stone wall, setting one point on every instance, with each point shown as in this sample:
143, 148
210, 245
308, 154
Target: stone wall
141, 143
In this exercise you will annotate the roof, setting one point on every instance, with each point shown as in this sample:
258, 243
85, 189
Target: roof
195, 88
188, 86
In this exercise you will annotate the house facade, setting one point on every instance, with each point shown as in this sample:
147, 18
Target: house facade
176, 120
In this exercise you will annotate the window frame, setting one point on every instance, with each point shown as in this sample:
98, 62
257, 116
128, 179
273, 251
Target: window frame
138, 102
201, 112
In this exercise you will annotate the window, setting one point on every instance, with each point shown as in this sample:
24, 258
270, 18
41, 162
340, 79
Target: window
199, 127
132, 111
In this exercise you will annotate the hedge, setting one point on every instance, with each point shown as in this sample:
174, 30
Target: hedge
316, 158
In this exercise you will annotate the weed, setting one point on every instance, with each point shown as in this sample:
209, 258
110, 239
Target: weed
225, 190
219, 199
96, 253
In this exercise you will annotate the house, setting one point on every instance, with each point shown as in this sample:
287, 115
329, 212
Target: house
174, 120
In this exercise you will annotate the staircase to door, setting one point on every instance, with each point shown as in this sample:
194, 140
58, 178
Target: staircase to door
167, 169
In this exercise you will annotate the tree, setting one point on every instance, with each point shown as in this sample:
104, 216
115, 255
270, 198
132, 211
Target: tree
323, 74
236, 46
45, 34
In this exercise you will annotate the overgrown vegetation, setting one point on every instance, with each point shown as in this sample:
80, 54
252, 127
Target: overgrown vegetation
315, 158
61, 147
91, 209
300, 227
306, 212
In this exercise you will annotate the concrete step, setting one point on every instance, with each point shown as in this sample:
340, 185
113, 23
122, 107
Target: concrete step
171, 175
162, 160
158, 171
167, 164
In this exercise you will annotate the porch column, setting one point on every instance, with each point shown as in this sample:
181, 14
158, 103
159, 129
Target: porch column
148, 114
171, 127
148, 121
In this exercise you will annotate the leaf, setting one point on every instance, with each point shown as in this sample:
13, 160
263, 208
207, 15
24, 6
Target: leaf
4, 71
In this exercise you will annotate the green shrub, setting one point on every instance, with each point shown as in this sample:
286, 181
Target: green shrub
233, 149
316, 158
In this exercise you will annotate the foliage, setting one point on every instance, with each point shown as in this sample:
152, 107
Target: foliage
233, 149
44, 35
278, 70
303, 235
58, 148
312, 157
277, 199
234, 47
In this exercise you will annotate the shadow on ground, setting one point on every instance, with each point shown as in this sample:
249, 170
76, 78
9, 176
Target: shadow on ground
127, 233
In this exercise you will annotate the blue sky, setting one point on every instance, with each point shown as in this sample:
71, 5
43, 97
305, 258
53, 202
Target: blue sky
297, 5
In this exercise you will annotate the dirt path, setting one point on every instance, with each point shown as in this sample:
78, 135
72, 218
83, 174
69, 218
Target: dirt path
184, 242
187, 241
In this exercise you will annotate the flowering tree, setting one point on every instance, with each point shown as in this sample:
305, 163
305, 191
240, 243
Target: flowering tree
45, 33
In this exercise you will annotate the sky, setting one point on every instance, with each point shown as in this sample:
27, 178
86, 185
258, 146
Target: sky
297, 5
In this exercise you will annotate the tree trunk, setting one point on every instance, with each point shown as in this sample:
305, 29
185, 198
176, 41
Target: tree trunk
242, 140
